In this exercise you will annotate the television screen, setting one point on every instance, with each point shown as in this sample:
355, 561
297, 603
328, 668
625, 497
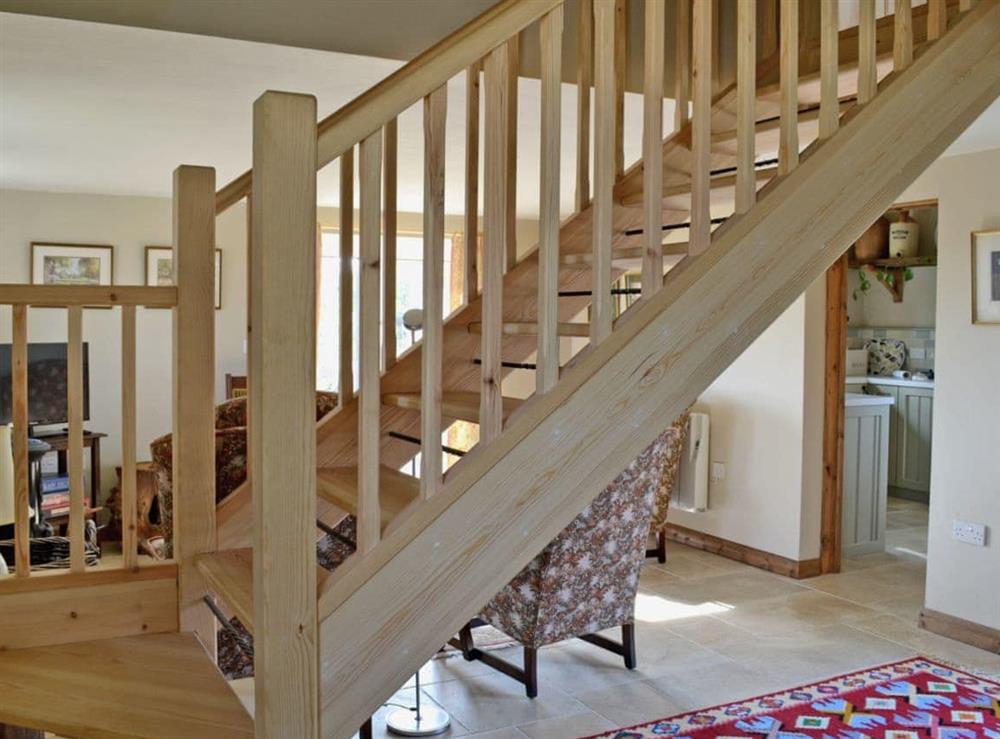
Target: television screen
46, 383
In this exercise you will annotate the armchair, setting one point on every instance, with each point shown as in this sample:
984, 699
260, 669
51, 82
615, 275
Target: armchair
586, 579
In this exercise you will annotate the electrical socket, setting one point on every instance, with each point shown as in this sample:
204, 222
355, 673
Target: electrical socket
718, 471
969, 533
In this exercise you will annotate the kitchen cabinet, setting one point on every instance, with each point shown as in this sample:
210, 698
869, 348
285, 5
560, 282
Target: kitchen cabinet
866, 462
910, 423
914, 413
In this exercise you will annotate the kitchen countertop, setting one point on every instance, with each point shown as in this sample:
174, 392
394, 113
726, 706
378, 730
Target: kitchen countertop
882, 380
853, 400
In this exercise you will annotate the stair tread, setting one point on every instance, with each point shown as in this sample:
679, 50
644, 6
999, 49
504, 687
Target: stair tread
526, 328
460, 405
339, 485
154, 685
229, 573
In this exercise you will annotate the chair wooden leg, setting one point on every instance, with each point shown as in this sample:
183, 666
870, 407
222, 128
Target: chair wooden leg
660, 550
628, 645
465, 639
531, 672
365, 732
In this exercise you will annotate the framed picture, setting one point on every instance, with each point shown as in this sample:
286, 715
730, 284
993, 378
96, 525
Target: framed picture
72, 264
160, 269
986, 277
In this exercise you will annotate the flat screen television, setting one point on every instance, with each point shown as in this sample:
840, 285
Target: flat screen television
47, 403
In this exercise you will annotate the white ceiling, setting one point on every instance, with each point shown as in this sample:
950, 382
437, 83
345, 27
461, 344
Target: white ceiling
96, 108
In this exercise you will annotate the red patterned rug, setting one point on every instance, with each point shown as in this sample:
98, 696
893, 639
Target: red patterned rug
913, 699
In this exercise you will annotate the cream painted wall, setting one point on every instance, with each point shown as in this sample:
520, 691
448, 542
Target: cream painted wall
877, 309
765, 431
129, 224
963, 580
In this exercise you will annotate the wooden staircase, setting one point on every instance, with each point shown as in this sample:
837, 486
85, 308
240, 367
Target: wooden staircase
432, 548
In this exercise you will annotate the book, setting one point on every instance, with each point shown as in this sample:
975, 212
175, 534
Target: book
54, 483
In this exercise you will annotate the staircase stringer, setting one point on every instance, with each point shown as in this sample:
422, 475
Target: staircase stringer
507, 500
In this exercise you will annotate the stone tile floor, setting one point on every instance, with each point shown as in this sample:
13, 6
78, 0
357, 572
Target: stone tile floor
710, 631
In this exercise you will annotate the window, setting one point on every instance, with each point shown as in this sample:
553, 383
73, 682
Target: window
409, 294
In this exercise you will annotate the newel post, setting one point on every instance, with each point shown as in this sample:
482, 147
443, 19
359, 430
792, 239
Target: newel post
194, 392
283, 415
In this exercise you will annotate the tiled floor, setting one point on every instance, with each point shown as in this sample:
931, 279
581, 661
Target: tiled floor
711, 631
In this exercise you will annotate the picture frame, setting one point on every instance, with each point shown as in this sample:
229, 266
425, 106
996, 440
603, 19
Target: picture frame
160, 269
61, 263
986, 278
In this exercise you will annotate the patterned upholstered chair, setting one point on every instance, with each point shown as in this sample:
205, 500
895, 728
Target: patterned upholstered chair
668, 481
585, 580
230, 456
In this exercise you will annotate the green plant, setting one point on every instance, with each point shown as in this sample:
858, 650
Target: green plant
883, 275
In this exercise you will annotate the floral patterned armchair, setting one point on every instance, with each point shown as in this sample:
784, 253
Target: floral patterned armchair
586, 579
677, 435
230, 456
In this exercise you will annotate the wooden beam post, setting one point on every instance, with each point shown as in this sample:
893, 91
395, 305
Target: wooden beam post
788, 142
470, 279
867, 71
682, 63
701, 127
19, 415
494, 242
902, 39
130, 553
829, 104
391, 141
283, 422
370, 396
435, 112
584, 81
345, 384
605, 135
550, 31
652, 148
194, 391
746, 104
833, 416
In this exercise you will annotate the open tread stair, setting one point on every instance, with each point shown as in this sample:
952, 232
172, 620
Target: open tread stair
339, 486
156, 686
457, 405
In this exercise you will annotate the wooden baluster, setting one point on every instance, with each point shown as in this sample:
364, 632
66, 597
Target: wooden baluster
193, 405
547, 372
389, 256
788, 141
682, 63
494, 243
513, 53
867, 72
621, 69
345, 386
584, 81
829, 104
470, 280
652, 148
902, 41
369, 171
435, 109
701, 127
937, 19
746, 104
19, 393
74, 454
283, 422
604, 168
130, 554
964, 5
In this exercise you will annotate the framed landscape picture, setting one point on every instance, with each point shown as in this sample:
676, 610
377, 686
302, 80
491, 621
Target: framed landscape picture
160, 269
986, 277
71, 264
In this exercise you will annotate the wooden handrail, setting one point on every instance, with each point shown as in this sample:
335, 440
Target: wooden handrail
63, 296
371, 110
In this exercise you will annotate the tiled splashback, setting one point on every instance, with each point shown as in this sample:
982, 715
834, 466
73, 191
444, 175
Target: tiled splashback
919, 343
